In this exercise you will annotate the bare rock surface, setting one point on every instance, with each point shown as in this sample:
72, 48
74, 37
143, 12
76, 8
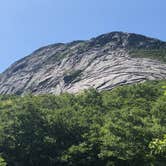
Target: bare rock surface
103, 63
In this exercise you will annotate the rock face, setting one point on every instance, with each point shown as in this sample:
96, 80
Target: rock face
102, 63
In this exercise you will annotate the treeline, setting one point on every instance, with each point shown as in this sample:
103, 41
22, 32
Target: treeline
122, 127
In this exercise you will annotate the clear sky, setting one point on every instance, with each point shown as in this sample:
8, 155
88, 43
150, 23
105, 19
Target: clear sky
26, 25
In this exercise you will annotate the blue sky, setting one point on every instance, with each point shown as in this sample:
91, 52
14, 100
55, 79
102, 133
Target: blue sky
26, 25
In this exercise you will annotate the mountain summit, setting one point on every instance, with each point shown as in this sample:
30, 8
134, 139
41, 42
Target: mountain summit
103, 62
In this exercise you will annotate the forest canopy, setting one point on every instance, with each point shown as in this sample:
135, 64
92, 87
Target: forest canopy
122, 127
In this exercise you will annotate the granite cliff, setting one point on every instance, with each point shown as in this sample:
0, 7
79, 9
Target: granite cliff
103, 63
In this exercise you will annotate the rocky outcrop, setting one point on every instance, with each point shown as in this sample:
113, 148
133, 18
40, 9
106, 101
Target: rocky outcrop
102, 63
